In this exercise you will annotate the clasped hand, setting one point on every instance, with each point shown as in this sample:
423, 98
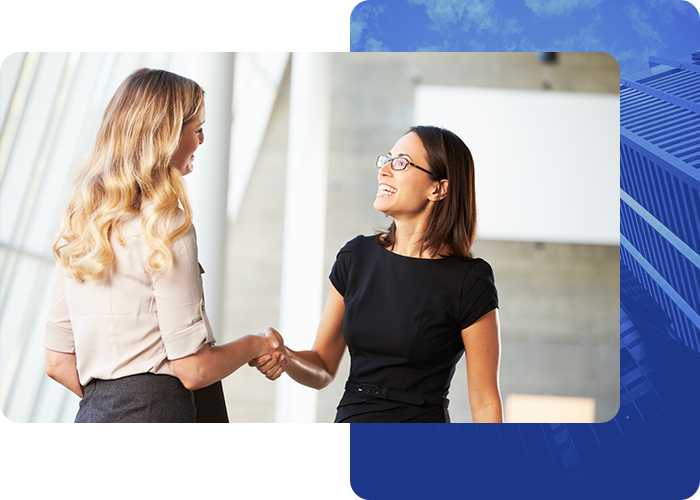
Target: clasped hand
272, 365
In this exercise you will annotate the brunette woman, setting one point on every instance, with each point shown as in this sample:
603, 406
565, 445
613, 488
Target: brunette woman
408, 302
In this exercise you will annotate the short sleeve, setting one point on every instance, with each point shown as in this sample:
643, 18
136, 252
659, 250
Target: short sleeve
479, 295
59, 329
179, 300
341, 267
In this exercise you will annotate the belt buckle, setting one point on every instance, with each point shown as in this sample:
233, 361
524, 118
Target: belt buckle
372, 391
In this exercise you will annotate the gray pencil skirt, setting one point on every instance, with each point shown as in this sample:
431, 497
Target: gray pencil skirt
141, 398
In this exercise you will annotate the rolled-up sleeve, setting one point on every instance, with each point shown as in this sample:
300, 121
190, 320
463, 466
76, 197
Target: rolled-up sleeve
179, 300
59, 330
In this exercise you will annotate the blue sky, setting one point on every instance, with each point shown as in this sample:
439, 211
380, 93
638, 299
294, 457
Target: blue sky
630, 30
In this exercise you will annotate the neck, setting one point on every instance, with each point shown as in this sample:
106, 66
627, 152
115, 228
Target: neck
408, 240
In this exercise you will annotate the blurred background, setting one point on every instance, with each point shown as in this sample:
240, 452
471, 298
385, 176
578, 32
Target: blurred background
286, 176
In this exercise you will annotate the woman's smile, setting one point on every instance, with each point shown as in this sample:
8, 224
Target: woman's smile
385, 190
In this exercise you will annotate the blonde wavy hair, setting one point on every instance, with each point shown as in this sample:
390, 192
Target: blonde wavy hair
129, 168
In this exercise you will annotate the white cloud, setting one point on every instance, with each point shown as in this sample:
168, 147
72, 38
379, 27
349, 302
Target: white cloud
356, 28
468, 15
586, 40
639, 21
649, 19
483, 14
363, 15
445, 46
373, 45
442, 11
554, 8
479, 12
665, 11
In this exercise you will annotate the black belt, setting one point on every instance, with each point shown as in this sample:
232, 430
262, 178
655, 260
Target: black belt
372, 391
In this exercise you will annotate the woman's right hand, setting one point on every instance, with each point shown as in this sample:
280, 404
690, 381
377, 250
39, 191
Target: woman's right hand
272, 364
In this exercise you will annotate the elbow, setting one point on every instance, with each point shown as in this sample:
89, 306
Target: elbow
57, 375
190, 386
192, 381
315, 385
193, 386
191, 376
312, 380
192, 370
52, 370
322, 382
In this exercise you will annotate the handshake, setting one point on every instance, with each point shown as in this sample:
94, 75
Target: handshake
274, 357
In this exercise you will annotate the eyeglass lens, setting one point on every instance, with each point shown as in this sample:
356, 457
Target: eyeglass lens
396, 163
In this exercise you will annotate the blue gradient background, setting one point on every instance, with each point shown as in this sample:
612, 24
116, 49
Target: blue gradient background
650, 449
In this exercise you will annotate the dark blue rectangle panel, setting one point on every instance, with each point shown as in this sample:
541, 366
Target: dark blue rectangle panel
650, 449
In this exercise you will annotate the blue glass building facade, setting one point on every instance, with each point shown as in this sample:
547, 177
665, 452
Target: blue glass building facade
660, 189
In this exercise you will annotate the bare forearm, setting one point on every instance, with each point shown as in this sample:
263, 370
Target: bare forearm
212, 364
315, 368
69, 381
62, 368
482, 345
227, 358
307, 368
489, 413
485, 401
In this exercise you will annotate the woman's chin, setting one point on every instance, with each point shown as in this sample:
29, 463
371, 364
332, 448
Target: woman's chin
379, 205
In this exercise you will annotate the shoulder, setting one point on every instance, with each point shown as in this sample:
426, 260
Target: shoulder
479, 293
145, 220
356, 244
480, 266
345, 260
481, 270
176, 217
179, 217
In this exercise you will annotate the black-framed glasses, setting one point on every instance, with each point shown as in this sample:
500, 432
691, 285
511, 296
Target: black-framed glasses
399, 163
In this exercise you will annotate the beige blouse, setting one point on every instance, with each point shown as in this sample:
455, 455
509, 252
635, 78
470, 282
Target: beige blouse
131, 323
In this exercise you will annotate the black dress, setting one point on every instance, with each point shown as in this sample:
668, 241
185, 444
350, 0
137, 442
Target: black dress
403, 322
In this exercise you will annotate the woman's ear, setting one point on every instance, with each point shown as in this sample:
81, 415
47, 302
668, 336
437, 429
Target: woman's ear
440, 190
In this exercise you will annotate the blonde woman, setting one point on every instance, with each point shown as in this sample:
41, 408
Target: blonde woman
127, 330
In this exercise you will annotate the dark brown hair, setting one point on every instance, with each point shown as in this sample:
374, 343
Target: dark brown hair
453, 218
